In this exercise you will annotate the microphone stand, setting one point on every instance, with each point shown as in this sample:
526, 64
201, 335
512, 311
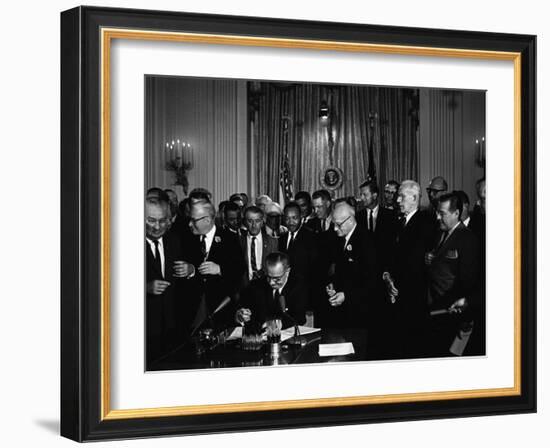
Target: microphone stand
297, 338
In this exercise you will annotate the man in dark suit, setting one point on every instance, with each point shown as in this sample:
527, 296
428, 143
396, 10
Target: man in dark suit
406, 277
301, 246
379, 221
281, 294
478, 226
218, 264
256, 245
326, 238
165, 269
453, 273
390, 195
303, 199
322, 209
436, 188
354, 284
232, 218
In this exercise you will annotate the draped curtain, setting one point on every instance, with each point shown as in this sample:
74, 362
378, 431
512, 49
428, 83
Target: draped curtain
394, 121
210, 114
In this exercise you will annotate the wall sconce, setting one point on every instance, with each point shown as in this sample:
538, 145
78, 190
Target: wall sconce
324, 111
180, 160
480, 152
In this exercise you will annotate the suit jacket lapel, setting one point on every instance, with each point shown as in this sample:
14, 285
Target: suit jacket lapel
264, 247
244, 246
444, 247
215, 245
151, 259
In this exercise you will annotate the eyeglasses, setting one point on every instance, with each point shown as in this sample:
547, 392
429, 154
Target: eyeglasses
276, 279
339, 225
153, 221
196, 220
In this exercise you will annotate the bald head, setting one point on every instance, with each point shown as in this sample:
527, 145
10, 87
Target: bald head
437, 187
343, 217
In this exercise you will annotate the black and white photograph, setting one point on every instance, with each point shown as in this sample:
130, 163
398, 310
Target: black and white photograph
303, 223
274, 222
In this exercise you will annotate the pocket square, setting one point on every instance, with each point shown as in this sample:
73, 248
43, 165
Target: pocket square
452, 254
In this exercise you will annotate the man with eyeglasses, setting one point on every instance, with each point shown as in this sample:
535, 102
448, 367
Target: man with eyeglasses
256, 244
281, 294
354, 285
165, 269
217, 260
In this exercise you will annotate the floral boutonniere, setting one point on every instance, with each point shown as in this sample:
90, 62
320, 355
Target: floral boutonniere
349, 248
218, 239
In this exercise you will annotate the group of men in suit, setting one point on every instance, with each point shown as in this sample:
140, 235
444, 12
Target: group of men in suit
412, 277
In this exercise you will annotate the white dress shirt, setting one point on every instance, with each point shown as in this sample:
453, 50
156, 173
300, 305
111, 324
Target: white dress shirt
374, 212
259, 249
210, 239
291, 237
409, 216
348, 236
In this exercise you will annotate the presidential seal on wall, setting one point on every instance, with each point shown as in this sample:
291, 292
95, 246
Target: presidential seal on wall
332, 178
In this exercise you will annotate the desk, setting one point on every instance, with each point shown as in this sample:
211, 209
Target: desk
231, 355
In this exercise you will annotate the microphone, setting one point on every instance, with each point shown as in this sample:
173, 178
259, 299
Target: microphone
209, 317
221, 306
282, 304
284, 311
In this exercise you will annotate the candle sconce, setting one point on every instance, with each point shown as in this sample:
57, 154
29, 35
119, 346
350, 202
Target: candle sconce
179, 160
480, 152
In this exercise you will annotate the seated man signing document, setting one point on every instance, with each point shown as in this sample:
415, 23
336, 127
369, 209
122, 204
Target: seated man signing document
278, 295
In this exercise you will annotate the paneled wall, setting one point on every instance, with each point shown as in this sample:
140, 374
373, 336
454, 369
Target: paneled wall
450, 123
209, 114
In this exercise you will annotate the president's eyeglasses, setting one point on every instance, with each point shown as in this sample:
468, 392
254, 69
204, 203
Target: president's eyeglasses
277, 279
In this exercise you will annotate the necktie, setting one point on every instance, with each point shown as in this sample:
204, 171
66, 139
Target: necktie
371, 222
203, 245
158, 262
323, 224
277, 302
290, 240
253, 257
402, 222
443, 239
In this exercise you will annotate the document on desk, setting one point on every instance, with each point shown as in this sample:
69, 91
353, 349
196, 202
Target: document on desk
237, 333
344, 348
288, 333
